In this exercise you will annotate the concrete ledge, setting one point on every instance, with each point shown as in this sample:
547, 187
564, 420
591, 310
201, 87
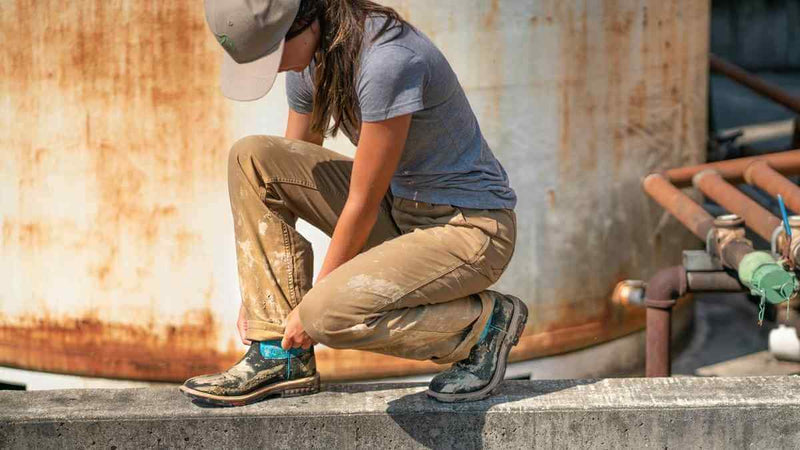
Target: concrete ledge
762, 412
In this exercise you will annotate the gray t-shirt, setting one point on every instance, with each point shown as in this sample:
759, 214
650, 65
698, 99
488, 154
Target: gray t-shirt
446, 159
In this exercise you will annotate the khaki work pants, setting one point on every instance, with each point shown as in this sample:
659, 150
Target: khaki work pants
414, 291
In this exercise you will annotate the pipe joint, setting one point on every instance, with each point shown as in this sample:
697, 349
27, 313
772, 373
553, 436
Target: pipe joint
728, 228
665, 287
756, 165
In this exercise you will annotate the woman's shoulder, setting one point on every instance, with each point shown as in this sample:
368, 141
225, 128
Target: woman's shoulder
398, 37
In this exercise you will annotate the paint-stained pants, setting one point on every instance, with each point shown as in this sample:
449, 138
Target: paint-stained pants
414, 291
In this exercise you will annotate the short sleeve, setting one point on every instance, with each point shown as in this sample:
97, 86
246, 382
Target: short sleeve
299, 91
391, 84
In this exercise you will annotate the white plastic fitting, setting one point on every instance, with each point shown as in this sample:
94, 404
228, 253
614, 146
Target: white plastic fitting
784, 343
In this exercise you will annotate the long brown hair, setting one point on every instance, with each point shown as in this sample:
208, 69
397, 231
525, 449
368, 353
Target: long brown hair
337, 59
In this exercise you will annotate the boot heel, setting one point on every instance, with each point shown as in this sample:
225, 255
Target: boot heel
523, 319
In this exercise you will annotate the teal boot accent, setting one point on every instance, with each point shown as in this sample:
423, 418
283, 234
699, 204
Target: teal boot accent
265, 370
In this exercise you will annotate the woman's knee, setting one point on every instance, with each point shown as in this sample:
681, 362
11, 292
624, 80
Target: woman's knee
326, 320
258, 147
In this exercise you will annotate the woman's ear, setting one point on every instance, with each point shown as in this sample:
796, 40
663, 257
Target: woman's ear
315, 28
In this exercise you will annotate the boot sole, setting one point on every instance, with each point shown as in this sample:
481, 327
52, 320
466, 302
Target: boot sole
291, 388
518, 320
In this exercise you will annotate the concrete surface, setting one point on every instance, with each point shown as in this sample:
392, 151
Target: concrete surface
759, 412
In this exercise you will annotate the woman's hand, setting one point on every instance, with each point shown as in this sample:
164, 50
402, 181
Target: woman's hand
294, 335
241, 325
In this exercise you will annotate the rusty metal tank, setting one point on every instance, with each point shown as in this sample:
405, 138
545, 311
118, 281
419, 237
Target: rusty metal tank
117, 255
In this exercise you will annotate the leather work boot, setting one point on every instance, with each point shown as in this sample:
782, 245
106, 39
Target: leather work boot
474, 378
266, 369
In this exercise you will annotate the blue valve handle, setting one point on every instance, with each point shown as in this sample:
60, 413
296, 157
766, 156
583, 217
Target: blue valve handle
785, 217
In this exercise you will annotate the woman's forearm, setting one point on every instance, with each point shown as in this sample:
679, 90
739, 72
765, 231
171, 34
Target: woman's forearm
377, 155
351, 233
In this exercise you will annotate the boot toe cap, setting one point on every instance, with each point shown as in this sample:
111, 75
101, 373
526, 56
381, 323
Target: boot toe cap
456, 383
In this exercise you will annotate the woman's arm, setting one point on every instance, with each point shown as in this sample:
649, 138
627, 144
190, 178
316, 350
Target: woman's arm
298, 127
377, 155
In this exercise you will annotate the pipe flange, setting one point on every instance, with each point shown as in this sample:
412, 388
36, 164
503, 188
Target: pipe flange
728, 228
660, 304
729, 221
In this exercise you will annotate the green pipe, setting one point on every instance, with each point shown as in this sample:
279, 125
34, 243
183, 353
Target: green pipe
766, 278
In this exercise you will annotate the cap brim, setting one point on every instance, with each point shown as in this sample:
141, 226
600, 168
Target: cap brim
252, 80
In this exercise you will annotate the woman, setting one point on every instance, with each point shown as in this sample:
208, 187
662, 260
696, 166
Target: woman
421, 220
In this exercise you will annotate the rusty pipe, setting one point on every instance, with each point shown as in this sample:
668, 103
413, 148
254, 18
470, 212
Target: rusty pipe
660, 296
732, 252
663, 289
680, 205
787, 163
710, 183
712, 282
757, 84
760, 174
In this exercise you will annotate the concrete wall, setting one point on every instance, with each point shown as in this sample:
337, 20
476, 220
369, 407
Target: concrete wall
679, 413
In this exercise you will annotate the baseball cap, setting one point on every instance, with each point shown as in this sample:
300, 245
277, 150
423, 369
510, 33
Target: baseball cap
252, 32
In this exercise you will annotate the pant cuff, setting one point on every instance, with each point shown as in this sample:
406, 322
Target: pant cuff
463, 349
258, 330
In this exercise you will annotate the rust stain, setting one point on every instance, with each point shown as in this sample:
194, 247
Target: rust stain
578, 97
26, 235
619, 25
491, 16
137, 92
184, 240
90, 347
637, 107
551, 198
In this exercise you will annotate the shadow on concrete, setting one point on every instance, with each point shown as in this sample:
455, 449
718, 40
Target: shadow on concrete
431, 424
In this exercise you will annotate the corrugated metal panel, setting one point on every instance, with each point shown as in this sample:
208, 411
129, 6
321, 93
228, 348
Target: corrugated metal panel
117, 247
